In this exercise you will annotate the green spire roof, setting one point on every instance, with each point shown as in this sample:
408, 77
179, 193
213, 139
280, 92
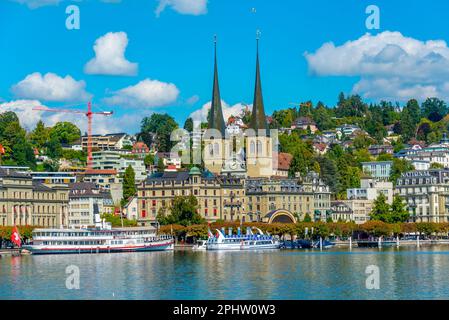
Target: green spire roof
216, 120
258, 119
194, 171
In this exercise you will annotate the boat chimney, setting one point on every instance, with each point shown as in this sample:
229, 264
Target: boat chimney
223, 231
230, 231
238, 231
248, 231
97, 219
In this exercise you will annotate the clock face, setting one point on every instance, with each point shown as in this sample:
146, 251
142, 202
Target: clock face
233, 165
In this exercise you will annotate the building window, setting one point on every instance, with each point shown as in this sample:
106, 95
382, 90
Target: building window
144, 213
216, 149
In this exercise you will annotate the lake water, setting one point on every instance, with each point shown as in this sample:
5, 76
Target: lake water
405, 273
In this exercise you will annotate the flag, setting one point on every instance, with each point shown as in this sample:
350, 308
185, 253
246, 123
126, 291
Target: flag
15, 237
210, 234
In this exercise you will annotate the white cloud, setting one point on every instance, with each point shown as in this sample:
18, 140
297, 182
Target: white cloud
34, 4
390, 65
191, 7
28, 118
110, 56
193, 99
50, 87
200, 115
145, 94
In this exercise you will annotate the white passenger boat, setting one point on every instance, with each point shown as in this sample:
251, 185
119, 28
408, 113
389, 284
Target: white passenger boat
260, 241
248, 241
200, 245
98, 240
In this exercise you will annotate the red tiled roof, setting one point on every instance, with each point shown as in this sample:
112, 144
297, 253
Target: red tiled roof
284, 160
100, 171
320, 146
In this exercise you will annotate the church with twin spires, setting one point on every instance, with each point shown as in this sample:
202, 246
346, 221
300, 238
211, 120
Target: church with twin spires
247, 155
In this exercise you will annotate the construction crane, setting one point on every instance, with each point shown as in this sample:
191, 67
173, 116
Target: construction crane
89, 114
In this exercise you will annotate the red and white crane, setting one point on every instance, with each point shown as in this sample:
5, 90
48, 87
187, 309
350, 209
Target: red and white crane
89, 115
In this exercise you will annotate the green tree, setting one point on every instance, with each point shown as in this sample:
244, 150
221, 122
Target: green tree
18, 151
381, 209
434, 109
129, 184
160, 165
188, 124
116, 221
183, 212
399, 167
149, 160
40, 135
307, 218
65, 132
54, 148
436, 165
23, 153
413, 109
399, 212
162, 126
328, 172
323, 117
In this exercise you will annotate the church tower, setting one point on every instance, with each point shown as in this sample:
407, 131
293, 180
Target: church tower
215, 137
259, 148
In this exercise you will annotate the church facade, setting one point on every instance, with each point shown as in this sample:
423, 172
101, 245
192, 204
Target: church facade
247, 155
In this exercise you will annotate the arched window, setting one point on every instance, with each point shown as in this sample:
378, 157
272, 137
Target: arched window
252, 147
216, 149
211, 149
259, 147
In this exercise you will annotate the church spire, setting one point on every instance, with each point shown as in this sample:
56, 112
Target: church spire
258, 119
216, 120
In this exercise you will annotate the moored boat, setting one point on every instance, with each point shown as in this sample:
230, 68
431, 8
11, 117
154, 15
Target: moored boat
248, 241
101, 239
63, 241
200, 245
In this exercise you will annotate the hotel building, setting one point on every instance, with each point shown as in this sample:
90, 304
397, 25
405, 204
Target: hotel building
27, 202
426, 194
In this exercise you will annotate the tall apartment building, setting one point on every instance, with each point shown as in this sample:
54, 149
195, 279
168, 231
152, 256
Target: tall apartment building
370, 189
107, 180
321, 195
361, 209
426, 194
379, 170
266, 195
111, 141
306, 196
111, 160
218, 197
85, 199
431, 154
27, 202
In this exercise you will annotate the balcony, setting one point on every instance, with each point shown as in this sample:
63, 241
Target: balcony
233, 204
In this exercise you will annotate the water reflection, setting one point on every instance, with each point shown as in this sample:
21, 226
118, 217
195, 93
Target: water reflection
405, 273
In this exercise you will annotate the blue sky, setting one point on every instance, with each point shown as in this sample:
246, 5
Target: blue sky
172, 55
